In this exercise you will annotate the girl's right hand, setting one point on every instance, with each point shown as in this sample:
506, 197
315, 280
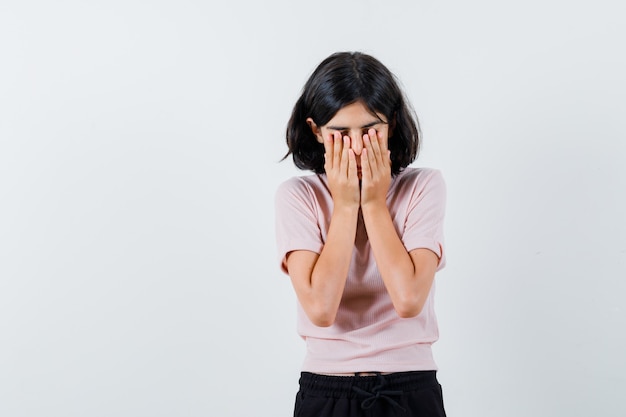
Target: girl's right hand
341, 171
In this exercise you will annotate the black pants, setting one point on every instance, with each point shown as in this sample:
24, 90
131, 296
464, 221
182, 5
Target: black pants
402, 394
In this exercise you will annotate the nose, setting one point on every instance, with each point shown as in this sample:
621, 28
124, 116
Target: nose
356, 143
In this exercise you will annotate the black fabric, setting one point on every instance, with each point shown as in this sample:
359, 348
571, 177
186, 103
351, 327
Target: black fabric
401, 394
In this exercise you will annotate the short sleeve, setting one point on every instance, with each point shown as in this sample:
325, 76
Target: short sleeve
296, 219
425, 214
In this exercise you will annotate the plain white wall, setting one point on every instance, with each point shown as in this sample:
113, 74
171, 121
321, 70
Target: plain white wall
139, 148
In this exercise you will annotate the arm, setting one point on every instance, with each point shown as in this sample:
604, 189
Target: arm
408, 276
319, 280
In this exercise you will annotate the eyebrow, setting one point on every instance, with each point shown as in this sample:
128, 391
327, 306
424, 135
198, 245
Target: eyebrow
362, 127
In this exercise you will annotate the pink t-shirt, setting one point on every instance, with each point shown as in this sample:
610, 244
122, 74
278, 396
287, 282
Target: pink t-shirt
367, 335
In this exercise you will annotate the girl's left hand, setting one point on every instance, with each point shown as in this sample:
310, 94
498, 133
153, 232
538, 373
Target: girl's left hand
375, 168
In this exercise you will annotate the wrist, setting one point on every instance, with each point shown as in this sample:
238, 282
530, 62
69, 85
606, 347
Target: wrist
346, 207
373, 206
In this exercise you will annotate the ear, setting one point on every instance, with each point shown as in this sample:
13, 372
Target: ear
317, 131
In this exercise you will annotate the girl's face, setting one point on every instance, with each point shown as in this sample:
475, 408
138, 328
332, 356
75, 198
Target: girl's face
353, 120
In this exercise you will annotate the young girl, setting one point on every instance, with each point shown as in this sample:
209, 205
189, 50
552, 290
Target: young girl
361, 240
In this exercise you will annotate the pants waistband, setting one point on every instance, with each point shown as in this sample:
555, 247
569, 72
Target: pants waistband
343, 386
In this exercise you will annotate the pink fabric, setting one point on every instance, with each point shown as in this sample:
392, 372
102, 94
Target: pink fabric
367, 335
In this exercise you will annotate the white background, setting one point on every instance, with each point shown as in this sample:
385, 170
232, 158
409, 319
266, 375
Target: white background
139, 149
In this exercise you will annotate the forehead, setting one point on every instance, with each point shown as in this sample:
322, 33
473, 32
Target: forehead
355, 115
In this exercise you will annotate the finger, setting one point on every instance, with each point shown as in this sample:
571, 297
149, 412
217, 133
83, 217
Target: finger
375, 144
352, 169
337, 146
345, 155
371, 154
366, 169
328, 152
384, 142
385, 154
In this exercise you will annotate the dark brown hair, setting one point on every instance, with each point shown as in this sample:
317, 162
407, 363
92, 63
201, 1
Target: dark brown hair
345, 78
